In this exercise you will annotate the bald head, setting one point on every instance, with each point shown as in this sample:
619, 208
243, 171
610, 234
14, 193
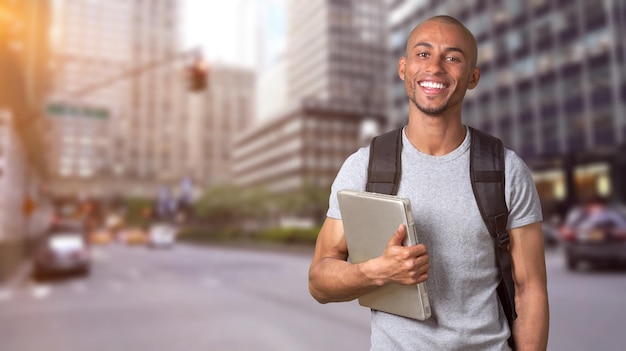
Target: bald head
467, 35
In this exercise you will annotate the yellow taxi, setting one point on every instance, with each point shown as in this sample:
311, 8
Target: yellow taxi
134, 236
100, 237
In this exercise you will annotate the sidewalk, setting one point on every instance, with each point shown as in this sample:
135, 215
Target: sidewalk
19, 276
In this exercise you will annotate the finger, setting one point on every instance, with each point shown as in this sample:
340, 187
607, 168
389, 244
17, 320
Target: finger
398, 237
418, 250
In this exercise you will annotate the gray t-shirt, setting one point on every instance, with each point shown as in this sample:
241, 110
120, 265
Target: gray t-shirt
463, 277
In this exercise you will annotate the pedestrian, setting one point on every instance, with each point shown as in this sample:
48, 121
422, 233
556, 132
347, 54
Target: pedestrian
456, 255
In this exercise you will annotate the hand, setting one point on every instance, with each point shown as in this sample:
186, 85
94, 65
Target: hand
406, 265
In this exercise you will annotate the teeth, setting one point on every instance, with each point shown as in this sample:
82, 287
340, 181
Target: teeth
432, 85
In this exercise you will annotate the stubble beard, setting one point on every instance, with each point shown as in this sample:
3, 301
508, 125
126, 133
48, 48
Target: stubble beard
431, 111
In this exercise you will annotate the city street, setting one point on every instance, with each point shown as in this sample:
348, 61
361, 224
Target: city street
187, 298
204, 298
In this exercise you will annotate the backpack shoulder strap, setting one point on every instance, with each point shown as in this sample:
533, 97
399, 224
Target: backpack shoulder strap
385, 165
487, 178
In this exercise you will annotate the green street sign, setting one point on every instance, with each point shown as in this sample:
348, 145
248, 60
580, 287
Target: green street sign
65, 110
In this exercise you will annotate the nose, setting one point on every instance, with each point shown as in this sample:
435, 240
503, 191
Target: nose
435, 65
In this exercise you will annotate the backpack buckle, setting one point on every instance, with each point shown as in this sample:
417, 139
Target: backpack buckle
503, 238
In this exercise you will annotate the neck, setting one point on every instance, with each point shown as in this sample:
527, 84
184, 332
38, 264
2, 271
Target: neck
435, 135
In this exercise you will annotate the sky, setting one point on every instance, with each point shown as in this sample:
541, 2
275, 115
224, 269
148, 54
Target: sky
248, 33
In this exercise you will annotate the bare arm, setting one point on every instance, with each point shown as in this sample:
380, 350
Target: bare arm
530, 329
333, 279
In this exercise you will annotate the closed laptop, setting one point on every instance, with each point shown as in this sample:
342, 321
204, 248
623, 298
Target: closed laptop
369, 221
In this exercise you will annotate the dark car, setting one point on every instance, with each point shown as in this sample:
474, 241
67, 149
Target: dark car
595, 234
64, 249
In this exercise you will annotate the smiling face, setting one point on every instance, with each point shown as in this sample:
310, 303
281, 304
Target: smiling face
439, 67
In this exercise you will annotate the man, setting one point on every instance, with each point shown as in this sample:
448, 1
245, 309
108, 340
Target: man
456, 256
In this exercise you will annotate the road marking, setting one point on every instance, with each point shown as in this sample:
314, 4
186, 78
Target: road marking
41, 291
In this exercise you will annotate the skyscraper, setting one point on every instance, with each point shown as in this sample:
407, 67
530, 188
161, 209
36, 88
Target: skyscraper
336, 69
337, 54
117, 77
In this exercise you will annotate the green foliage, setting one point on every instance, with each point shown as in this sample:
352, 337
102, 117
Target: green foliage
206, 235
290, 235
219, 203
227, 208
136, 210
309, 201
229, 205
277, 235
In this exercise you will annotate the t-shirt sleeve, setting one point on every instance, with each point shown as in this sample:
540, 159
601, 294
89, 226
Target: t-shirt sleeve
352, 175
521, 193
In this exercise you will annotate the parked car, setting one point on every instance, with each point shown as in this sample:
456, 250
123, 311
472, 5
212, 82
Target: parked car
595, 233
162, 235
63, 249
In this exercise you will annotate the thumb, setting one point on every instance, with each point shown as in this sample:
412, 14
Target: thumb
398, 237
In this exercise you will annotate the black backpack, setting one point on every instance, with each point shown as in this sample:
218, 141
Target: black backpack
487, 177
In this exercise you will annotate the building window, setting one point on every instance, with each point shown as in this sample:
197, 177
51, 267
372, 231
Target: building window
603, 128
595, 15
568, 23
503, 102
547, 89
525, 94
572, 84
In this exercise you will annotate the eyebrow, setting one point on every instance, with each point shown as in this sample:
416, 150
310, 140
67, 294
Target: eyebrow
429, 45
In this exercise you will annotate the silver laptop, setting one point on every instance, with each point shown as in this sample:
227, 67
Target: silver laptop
369, 221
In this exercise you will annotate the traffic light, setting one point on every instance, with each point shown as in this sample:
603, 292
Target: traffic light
197, 76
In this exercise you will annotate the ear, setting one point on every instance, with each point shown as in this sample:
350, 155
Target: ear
474, 78
401, 67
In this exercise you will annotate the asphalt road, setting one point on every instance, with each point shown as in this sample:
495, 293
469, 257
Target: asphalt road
205, 298
187, 298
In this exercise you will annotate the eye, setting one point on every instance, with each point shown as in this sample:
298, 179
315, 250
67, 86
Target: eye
422, 54
453, 59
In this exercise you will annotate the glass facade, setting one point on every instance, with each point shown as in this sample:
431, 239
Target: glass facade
552, 75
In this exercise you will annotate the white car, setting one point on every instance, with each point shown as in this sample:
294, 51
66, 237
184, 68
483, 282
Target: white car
162, 235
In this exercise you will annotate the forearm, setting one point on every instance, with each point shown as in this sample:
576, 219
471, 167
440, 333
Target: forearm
334, 280
530, 329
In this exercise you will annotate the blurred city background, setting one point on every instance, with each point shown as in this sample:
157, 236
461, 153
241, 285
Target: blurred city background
211, 124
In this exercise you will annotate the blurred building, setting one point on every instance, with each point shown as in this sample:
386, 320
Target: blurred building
299, 148
336, 74
553, 86
91, 45
126, 118
225, 108
112, 105
271, 91
23, 173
